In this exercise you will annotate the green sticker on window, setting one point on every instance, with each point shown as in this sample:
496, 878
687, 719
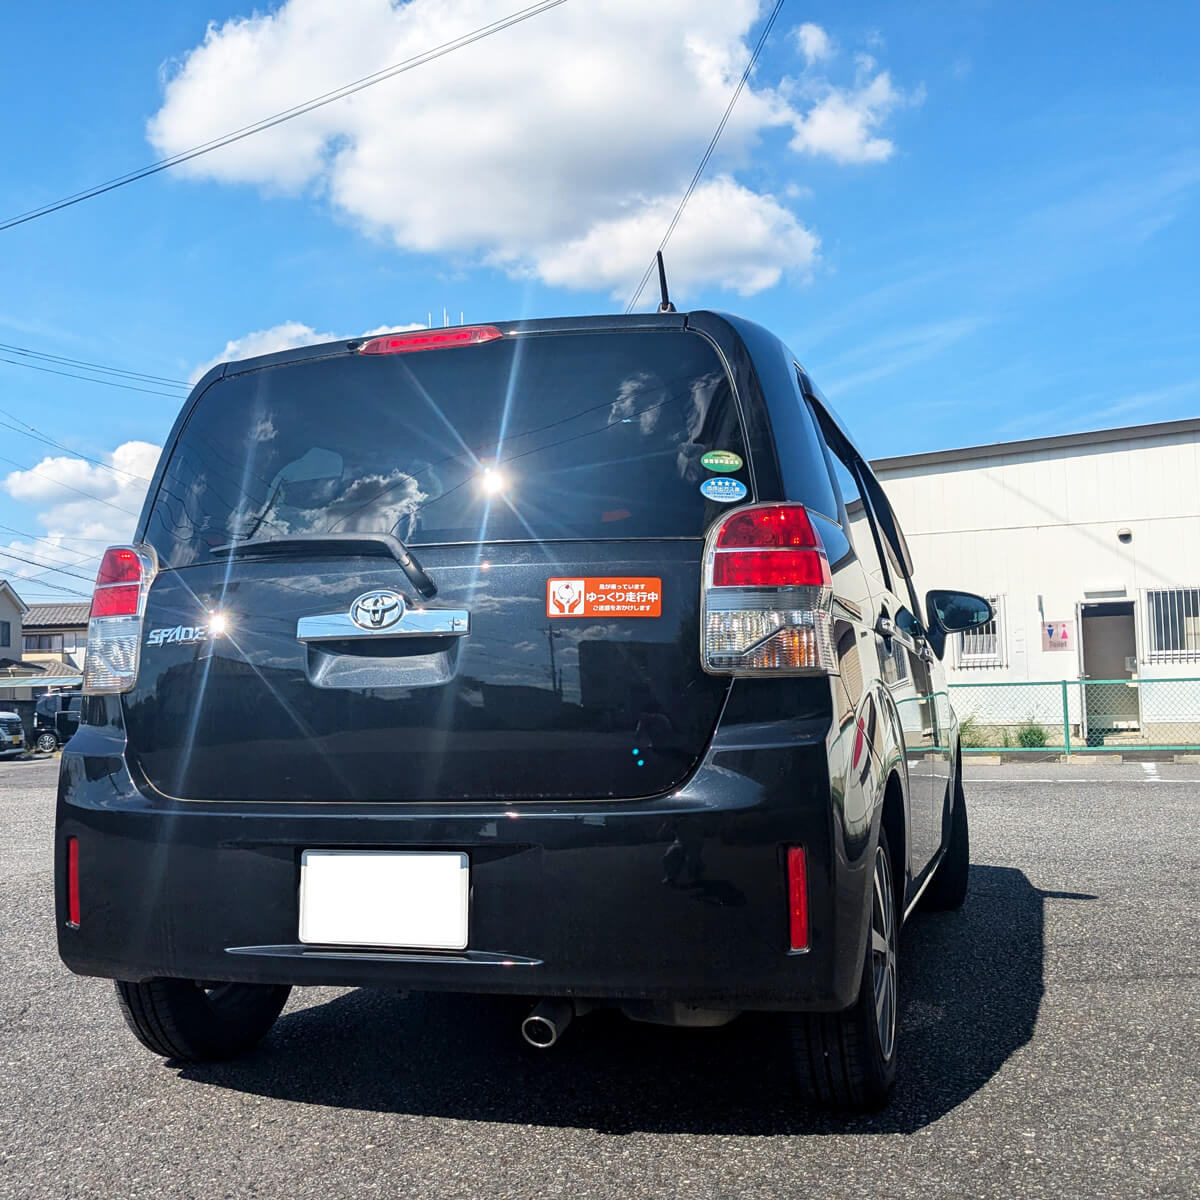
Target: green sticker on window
721, 460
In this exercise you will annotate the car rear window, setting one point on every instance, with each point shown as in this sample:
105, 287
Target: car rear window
533, 437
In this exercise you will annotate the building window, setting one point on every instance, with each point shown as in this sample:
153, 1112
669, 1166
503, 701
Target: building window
1173, 617
895, 663
5, 634
44, 642
984, 647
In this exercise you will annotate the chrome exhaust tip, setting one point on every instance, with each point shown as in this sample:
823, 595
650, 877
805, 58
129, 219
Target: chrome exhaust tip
545, 1025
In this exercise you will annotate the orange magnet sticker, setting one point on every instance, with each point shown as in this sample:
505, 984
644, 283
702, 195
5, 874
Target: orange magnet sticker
607, 596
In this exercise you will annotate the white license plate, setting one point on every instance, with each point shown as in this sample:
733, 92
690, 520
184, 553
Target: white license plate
384, 898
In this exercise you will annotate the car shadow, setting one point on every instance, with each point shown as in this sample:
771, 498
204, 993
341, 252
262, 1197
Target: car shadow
971, 988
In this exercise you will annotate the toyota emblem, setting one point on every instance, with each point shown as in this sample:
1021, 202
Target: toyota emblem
377, 610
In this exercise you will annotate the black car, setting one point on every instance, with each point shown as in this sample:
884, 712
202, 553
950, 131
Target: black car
573, 659
55, 719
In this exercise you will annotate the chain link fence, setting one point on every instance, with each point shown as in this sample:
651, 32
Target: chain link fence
1077, 715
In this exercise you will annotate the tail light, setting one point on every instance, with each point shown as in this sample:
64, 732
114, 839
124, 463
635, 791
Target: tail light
767, 595
431, 339
115, 624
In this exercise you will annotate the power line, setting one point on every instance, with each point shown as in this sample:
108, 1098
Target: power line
33, 537
66, 537
56, 587
287, 114
69, 488
712, 145
62, 360
88, 378
33, 562
37, 435
41, 574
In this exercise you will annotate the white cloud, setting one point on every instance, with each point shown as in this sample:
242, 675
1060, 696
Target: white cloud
843, 124
81, 507
815, 44
287, 336
515, 151
734, 236
264, 341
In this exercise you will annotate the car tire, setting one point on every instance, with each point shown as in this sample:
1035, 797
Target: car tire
195, 1022
847, 1060
948, 888
47, 743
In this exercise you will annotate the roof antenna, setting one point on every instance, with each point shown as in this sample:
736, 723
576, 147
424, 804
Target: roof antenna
665, 305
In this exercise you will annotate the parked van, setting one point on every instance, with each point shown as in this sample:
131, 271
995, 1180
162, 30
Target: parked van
574, 659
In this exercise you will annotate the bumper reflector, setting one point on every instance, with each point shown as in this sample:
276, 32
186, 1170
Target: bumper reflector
73, 881
797, 872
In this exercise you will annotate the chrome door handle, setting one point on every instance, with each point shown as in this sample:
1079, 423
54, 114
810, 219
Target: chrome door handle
427, 622
886, 628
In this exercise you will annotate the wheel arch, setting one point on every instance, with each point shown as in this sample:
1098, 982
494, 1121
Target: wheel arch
892, 820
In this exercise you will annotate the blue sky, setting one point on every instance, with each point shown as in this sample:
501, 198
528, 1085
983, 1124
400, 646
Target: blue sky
982, 217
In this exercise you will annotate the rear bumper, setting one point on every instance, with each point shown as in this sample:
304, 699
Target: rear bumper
680, 897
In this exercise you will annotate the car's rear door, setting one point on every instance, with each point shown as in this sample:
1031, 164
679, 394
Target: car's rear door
902, 667
927, 669
555, 487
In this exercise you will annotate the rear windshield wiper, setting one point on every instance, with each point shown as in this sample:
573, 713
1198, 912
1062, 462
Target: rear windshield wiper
338, 543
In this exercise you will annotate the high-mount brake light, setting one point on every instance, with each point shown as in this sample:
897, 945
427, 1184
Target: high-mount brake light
768, 595
431, 339
115, 624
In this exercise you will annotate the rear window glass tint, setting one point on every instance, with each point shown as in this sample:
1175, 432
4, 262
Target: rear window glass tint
535, 437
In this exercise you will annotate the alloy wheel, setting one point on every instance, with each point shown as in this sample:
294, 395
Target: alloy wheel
883, 953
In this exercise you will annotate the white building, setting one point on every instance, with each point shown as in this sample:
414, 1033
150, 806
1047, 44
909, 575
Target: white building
1089, 547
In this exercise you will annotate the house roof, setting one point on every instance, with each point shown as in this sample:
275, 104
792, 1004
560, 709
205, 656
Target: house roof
54, 669
5, 586
56, 616
1065, 441
35, 672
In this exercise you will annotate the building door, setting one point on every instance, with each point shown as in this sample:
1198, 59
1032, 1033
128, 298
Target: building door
1110, 656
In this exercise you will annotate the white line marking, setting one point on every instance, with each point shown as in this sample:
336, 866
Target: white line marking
1038, 779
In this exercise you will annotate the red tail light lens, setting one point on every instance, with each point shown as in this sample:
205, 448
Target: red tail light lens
774, 526
779, 548
73, 881
120, 600
439, 339
119, 565
783, 568
118, 583
797, 876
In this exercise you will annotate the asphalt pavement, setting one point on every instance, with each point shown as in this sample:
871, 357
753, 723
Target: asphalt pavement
1049, 1033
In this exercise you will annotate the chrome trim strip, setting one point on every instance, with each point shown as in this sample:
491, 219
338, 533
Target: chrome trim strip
416, 622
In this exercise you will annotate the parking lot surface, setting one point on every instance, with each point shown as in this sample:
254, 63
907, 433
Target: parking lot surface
1050, 1037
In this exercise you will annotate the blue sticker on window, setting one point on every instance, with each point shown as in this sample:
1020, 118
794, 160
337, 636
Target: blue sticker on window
723, 490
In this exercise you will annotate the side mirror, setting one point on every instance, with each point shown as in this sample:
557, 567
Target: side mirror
954, 612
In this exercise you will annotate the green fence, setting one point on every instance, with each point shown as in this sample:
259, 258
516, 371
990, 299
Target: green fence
1074, 716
